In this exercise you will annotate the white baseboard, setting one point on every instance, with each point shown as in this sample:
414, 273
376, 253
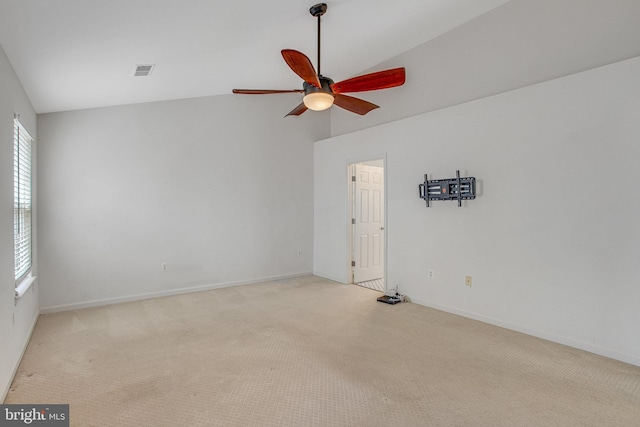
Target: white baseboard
5, 392
179, 291
612, 354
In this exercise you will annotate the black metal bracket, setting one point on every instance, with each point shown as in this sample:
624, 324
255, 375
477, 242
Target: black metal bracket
448, 189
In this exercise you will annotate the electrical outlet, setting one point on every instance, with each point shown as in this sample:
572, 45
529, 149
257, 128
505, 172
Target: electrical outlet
164, 266
299, 252
430, 274
467, 281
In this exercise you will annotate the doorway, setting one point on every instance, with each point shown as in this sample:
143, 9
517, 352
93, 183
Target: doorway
367, 214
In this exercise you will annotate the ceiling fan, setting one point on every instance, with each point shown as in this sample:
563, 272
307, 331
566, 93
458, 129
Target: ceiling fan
321, 92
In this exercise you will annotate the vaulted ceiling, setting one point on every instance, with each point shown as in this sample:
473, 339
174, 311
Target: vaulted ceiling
76, 54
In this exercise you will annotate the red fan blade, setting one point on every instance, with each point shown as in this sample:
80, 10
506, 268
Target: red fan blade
298, 110
374, 81
302, 66
355, 105
265, 91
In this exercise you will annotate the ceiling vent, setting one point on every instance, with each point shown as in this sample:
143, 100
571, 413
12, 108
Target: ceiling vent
143, 70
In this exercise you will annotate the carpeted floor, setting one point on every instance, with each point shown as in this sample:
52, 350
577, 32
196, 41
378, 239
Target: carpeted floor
310, 352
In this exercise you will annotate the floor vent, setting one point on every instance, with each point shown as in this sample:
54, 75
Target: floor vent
143, 70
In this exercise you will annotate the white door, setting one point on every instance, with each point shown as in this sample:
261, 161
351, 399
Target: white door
368, 245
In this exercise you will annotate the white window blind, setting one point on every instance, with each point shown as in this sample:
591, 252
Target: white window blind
22, 142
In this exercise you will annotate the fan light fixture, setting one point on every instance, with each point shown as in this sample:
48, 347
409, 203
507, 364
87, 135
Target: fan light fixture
318, 101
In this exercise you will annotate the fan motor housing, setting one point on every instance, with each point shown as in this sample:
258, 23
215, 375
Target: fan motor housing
326, 83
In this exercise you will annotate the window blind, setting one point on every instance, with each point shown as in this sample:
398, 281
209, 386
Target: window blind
22, 143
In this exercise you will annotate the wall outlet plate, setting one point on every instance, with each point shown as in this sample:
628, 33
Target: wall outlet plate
430, 274
467, 281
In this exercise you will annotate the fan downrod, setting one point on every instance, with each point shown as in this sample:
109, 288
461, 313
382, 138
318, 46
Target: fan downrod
318, 9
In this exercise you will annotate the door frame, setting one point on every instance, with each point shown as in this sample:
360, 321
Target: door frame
350, 212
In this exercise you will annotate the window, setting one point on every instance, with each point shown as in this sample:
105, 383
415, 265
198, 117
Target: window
21, 200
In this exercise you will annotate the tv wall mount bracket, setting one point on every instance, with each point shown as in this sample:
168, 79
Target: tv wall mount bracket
448, 189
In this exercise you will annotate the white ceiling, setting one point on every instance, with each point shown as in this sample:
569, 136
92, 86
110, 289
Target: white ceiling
76, 54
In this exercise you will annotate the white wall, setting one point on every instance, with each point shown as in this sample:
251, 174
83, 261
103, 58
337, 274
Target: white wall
553, 239
219, 188
520, 43
14, 334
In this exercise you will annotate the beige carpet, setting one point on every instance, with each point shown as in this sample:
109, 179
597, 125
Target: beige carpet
310, 352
